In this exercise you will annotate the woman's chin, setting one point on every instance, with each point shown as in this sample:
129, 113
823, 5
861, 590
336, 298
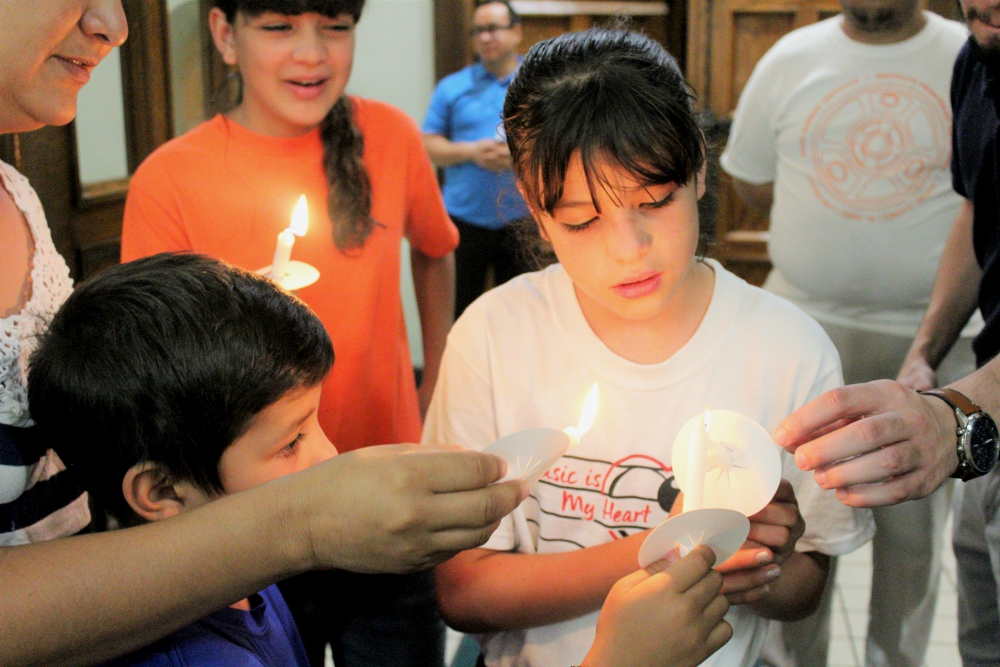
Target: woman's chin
31, 114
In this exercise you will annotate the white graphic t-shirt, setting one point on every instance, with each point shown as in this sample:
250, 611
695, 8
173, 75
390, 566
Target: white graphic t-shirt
857, 141
523, 356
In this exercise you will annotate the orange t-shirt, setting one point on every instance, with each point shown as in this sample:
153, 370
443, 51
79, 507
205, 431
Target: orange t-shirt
227, 192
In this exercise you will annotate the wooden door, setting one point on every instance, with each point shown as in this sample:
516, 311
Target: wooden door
726, 38
86, 217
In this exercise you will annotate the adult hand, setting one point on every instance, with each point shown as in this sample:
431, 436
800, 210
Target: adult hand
397, 508
878, 443
917, 374
491, 154
774, 531
668, 615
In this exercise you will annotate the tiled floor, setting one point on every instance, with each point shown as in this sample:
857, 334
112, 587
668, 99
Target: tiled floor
850, 621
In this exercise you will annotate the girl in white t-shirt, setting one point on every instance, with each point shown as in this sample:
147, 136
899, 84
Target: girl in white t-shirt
610, 160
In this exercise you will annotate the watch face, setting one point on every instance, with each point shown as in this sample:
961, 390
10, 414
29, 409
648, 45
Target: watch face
984, 443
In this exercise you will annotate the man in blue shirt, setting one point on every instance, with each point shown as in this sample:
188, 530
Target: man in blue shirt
463, 134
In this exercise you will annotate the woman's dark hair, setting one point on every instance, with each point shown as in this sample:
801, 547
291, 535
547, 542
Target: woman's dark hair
614, 95
167, 360
349, 204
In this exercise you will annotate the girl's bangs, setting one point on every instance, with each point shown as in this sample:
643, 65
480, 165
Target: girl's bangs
611, 124
329, 8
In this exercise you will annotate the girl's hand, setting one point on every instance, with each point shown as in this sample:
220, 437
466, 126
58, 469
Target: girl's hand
774, 531
668, 615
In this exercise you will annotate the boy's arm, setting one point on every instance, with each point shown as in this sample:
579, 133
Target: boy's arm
83, 600
668, 615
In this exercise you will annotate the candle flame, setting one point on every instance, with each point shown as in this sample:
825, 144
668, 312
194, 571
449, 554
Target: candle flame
708, 420
300, 217
589, 412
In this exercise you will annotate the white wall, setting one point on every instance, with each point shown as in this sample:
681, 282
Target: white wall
394, 62
100, 124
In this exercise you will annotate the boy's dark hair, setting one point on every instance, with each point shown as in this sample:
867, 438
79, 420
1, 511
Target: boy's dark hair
349, 203
614, 95
515, 18
167, 360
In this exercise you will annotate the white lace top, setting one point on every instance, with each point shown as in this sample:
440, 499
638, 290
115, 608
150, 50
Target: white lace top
50, 286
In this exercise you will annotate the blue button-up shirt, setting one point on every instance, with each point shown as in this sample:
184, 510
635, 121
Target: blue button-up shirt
467, 106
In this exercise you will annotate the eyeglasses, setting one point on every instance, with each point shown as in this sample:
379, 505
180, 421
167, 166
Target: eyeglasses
490, 30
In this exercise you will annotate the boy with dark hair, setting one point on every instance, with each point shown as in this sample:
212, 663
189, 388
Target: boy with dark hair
172, 381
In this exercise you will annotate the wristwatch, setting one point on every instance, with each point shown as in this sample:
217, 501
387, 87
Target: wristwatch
978, 437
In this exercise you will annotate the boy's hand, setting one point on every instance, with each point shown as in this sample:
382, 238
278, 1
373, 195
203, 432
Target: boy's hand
668, 615
396, 508
774, 532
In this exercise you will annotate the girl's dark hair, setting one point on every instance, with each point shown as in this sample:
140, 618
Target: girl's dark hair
167, 360
614, 95
349, 204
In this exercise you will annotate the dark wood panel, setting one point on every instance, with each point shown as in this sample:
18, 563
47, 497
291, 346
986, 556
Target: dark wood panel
754, 33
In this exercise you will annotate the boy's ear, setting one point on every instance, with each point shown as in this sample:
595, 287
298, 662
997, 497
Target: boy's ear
222, 35
534, 213
152, 495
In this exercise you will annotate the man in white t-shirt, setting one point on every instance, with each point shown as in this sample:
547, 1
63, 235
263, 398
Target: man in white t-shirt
524, 356
843, 133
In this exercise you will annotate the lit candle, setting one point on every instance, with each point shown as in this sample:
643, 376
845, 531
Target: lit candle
286, 239
697, 463
587, 417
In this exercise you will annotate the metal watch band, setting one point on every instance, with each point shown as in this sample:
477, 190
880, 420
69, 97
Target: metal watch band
955, 399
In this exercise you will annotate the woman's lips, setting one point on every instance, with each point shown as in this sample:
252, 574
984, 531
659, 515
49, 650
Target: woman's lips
79, 70
637, 288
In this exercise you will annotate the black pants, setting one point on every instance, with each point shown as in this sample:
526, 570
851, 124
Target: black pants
369, 620
478, 249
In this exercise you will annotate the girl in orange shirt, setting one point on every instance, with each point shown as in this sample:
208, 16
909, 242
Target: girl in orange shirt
227, 189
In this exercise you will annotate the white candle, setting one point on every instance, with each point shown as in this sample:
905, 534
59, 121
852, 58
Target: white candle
694, 494
286, 239
282, 253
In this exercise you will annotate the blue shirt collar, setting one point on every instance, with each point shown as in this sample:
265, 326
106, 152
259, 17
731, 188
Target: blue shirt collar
480, 71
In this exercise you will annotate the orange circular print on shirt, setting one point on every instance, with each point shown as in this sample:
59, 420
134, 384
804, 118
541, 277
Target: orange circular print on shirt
877, 146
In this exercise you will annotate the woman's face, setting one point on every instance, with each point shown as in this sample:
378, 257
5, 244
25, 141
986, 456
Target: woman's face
294, 68
632, 257
48, 48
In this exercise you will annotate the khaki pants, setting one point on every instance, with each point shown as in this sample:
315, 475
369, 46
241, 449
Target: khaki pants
906, 551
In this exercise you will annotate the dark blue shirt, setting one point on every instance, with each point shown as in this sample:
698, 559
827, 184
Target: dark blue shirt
975, 91
265, 636
468, 106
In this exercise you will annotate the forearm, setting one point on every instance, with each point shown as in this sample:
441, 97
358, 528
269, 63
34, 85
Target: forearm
758, 196
434, 284
489, 591
796, 592
445, 153
956, 291
981, 388
83, 600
